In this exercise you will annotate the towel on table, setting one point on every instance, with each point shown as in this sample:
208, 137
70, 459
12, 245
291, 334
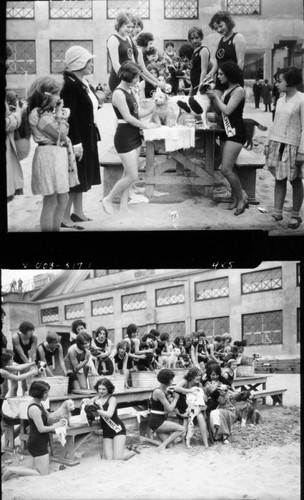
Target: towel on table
178, 137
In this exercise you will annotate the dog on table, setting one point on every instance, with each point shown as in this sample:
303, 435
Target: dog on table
166, 111
63, 412
246, 412
169, 359
199, 104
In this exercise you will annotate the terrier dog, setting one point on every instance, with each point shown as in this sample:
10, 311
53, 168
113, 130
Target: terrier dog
170, 359
246, 412
65, 411
165, 111
41, 366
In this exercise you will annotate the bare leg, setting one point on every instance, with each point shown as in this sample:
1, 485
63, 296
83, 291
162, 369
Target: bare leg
174, 430
78, 205
230, 153
107, 449
129, 161
203, 428
47, 213
18, 471
62, 201
118, 447
67, 213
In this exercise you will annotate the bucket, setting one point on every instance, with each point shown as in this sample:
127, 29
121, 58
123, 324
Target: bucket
245, 371
58, 385
116, 379
144, 380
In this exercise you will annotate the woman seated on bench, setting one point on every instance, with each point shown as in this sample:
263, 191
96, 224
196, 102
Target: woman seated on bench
77, 362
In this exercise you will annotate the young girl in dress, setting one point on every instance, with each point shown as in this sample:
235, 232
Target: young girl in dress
285, 148
54, 168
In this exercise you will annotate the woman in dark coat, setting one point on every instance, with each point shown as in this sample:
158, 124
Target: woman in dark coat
79, 96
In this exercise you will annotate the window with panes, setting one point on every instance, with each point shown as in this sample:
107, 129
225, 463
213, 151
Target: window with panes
263, 328
261, 281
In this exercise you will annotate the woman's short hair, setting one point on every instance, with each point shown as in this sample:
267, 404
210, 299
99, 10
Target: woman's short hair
222, 16
25, 326
102, 329
76, 323
107, 383
144, 38
169, 44
6, 357
292, 76
192, 373
164, 336
197, 30
52, 337
37, 97
122, 345
231, 71
153, 330
131, 328
212, 366
121, 19
38, 389
151, 51
186, 50
138, 22
165, 376
82, 338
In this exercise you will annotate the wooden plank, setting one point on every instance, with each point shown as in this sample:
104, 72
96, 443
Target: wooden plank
192, 181
194, 167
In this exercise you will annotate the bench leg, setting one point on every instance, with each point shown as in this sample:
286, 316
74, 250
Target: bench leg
277, 398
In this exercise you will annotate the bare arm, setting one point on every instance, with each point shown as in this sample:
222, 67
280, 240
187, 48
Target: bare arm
113, 52
111, 409
33, 350
120, 102
76, 365
237, 96
61, 360
240, 49
20, 368
35, 415
204, 63
18, 348
42, 357
162, 398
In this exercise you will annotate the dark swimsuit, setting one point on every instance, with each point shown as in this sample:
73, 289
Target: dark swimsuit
49, 355
25, 347
196, 68
125, 53
236, 121
37, 444
108, 432
156, 419
127, 137
225, 52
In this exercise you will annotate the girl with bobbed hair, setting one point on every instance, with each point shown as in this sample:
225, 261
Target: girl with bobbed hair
78, 359
200, 59
127, 139
114, 431
284, 149
161, 403
231, 47
231, 107
190, 383
50, 351
38, 440
78, 326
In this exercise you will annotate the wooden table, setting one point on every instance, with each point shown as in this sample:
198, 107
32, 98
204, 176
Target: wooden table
181, 161
250, 383
128, 396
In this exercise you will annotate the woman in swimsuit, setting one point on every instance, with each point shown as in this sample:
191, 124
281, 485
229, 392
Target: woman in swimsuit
160, 405
24, 347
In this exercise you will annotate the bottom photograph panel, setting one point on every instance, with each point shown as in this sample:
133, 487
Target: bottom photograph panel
151, 383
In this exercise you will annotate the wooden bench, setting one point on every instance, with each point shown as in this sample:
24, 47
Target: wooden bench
77, 435
247, 164
276, 394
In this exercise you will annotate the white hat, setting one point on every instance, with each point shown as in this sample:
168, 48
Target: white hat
76, 57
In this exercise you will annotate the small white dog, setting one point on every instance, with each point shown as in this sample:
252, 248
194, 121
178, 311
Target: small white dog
170, 359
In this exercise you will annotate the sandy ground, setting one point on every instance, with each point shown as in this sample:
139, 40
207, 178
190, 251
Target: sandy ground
183, 209
261, 463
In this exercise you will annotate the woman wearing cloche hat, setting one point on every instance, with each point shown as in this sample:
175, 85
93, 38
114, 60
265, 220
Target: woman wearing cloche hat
80, 97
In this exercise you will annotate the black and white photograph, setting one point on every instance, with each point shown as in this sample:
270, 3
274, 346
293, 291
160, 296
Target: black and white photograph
121, 117
151, 383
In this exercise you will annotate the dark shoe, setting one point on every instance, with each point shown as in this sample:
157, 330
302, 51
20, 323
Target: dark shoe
241, 210
295, 224
75, 226
76, 218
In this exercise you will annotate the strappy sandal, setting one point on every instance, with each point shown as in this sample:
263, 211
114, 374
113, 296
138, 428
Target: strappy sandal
277, 217
295, 224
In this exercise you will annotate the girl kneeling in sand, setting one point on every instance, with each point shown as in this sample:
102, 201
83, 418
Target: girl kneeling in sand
160, 404
285, 150
38, 440
127, 139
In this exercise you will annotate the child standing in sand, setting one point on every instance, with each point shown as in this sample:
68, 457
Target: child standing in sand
54, 168
284, 150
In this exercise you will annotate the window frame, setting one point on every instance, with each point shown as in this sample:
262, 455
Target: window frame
69, 18
129, 294
244, 13
210, 280
266, 290
182, 18
50, 321
166, 288
69, 305
143, 18
11, 42
21, 18
259, 313
98, 300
